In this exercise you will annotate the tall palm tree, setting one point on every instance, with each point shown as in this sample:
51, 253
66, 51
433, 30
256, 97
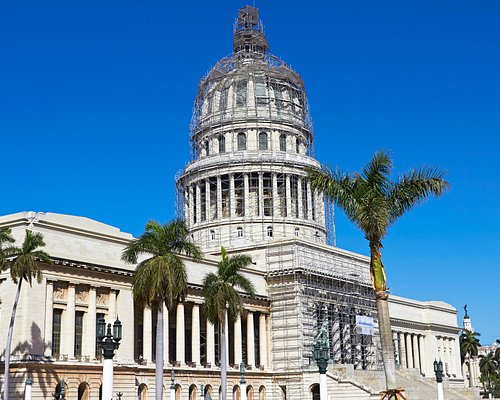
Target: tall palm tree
222, 300
161, 278
469, 344
24, 267
373, 203
488, 366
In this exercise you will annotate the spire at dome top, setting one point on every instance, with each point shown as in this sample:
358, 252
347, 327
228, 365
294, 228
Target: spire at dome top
249, 39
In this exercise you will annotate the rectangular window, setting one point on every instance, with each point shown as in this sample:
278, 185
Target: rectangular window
241, 93
78, 333
56, 332
223, 99
98, 352
260, 91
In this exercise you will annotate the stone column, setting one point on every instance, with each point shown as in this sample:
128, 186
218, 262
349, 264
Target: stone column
275, 199
198, 202
49, 315
210, 344
402, 349
147, 334
238, 358
246, 193
456, 354
207, 200
90, 329
299, 197
69, 336
423, 354
191, 205
446, 352
409, 352
112, 307
250, 340
195, 334
261, 194
336, 339
180, 335
166, 335
416, 355
309, 201
262, 340
186, 206
288, 195
232, 197
395, 342
219, 197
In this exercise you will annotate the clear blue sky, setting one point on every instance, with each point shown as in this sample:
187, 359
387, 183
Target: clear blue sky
96, 98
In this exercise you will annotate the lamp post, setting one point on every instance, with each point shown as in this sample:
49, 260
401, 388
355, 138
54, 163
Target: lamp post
172, 386
109, 342
438, 370
320, 353
243, 383
60, 395
27, 389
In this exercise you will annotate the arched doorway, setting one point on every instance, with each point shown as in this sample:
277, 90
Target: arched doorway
208, 392
236, 393
262, 393
177, 392
84, 391
192, 392
315, 392
142, 392
249, 392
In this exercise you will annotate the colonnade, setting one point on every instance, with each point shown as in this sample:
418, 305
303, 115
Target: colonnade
409, 348
209, 340
449, 353
251, 194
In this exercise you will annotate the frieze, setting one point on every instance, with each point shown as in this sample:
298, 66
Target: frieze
81, 294
60, 291
102, 297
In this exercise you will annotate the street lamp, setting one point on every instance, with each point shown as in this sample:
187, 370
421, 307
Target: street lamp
320, 354
438, 370
172, 386
108, 342
202, 391
60, 395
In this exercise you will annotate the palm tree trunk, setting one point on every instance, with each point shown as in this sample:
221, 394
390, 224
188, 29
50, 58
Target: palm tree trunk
223, 358
9, 342
159, 353
384, 321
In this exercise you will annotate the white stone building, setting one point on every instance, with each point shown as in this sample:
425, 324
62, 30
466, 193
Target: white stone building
244, 189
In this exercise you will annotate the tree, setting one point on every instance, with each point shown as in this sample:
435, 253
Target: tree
24, 267
161, 278
222, 299
488, 366
5, 249
373, 203
469, 345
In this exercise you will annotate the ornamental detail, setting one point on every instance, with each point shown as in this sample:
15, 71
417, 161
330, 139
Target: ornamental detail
81, 294
102, 297
60, 290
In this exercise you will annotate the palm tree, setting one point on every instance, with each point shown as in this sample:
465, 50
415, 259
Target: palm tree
161, 278
25, 267
5, 239
222, 299
373, 202
488, 366
469, 345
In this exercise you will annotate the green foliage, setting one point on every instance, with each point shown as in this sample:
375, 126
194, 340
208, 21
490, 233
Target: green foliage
219, 289
5, 249
469, 344
161, 276
489, 365
25, 265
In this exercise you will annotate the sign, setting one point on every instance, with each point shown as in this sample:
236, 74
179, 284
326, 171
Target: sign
364, 325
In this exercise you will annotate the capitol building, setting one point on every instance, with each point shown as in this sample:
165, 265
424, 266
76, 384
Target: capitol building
244, 188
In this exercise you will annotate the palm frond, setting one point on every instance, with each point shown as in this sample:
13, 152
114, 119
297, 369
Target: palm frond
414, 187
376, 172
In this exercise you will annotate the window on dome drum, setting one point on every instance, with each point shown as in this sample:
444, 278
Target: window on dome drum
282, 142
222, 144
56, 332
212, 234
270, 231
203, 202
267, 194
223, 99
241, 93
207, 147
260, 91
78, 333
242, 141
263, 145
297, 230
239, 231
297, 145
280, 201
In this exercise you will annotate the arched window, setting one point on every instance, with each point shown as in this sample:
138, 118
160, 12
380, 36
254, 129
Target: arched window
236, 392
177, 392
242, 141
207, 147
297, 145
262, 393
282, 142
208, 392
142, 392
212, 234
315, 392
297, 231
222, 144
192, 392
263, 141
239, 231
250, 393
270, 231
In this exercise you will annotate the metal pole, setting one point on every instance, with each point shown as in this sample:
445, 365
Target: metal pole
323, 392
243, 384
107, 379
440, 391
27, 389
